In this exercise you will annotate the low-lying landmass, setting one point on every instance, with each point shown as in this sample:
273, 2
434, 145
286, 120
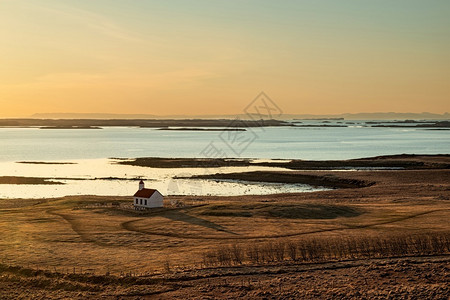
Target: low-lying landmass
346, 116
203, 129
320, 125
201, 124
70, 127
162, 162
46, 163
403, 161
439, 124
329, 180
417, 124
27, 180
145, 123
55, 180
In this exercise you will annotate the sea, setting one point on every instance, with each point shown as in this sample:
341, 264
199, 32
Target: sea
93, 154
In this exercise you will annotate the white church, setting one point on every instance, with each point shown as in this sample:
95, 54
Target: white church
147, 198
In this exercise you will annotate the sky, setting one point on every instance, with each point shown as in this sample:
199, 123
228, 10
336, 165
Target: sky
180, 57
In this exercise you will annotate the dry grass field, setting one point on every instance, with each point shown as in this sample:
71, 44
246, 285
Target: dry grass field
92, 235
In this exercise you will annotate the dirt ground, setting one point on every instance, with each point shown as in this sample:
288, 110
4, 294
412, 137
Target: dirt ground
396, 279
400, 278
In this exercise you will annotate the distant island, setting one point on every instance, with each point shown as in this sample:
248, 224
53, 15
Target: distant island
150, 123
70, 127
203, 129
211, 124
46, 163
346, 116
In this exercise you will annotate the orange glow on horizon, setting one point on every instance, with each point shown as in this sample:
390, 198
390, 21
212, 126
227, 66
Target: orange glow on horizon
214, 58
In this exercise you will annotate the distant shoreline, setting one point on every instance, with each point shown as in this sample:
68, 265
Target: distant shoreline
151, 123
284, 116
213, 124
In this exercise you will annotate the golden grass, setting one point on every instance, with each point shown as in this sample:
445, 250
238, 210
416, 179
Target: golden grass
96, 234
90, 233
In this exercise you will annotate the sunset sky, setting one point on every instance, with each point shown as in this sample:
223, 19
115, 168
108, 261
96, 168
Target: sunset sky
213, 57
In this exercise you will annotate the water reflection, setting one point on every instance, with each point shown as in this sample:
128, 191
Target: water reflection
104, 177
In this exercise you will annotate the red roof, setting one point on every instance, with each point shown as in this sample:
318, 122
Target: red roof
145, 193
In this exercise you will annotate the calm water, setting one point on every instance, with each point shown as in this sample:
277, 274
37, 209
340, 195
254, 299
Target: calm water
89, 177
18, 144
90, 149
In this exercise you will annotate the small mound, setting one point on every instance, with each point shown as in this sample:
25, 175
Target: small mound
294, 211
224, 210
227, 213
314, 212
